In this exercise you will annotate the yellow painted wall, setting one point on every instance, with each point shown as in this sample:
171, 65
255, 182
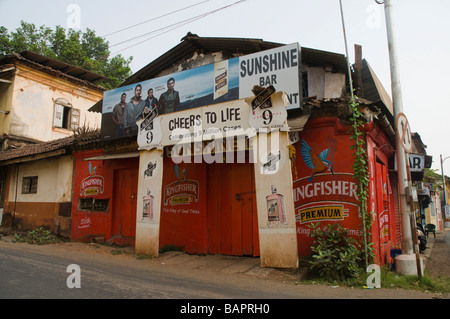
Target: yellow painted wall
32, 101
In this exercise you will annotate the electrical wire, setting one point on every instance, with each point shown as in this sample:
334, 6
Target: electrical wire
153, 19
179, 24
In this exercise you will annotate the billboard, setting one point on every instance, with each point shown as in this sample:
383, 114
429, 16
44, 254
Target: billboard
210, 84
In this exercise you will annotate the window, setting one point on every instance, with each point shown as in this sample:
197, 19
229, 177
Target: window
65, 209
29, 185
65, 116
93, 205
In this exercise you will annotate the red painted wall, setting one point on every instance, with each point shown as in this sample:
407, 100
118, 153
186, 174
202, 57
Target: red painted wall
325, 194
95, 179
209, 208
328, 192
183, 206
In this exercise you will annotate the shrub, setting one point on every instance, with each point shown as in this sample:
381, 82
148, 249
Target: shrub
335, 255
37, 236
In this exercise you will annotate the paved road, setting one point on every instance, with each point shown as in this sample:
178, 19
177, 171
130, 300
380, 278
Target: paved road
40, 272
25, 274
30, 272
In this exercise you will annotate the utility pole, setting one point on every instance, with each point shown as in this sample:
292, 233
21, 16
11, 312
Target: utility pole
405, 263
443, 179
444, 211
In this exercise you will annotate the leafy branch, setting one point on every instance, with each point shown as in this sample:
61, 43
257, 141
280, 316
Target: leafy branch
81, 49
361, 173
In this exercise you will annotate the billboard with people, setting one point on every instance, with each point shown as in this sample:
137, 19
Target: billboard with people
210, 84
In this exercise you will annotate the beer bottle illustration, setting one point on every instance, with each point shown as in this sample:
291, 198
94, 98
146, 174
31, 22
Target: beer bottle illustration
275, 206
220, 78
148, 206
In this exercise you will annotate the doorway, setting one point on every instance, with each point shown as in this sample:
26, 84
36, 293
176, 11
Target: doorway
125, 200
383, 212
231, 214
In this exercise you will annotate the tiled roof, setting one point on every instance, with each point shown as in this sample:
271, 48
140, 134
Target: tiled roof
36, 149
77, 142
55, 68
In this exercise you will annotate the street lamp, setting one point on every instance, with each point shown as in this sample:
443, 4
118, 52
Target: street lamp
446, 224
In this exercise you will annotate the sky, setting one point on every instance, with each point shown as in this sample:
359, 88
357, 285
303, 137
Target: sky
147, 29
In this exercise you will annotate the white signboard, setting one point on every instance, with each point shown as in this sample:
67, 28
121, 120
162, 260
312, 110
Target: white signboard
416, 162
277, 67
273, 117
219, 121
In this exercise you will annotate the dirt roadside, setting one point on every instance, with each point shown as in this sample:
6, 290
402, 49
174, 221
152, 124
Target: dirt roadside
437, 254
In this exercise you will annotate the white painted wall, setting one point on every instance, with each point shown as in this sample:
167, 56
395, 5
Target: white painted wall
324, 84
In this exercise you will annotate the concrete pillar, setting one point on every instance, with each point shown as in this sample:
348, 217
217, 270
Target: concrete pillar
407, 265
275, 203
149, 202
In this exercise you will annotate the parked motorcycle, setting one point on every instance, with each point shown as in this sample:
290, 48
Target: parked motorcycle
421, 238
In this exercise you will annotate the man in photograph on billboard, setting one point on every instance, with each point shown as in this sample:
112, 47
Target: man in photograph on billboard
169, 101
117, 116
151, 102
151, 106
133, 110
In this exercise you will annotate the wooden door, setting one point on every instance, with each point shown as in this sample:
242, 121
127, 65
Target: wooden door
231, 210
383, 212
125, 200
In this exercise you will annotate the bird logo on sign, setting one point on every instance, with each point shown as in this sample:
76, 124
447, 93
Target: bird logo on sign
318, 163
180, 174
92, 169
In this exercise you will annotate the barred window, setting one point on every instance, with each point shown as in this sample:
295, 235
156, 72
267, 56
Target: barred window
93, 205
29, 185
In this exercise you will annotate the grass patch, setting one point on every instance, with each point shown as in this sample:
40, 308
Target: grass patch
37, 236
143, 257
389, 280
117, 252
439, 284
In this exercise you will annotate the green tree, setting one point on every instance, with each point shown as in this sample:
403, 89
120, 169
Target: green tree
432, 174
82, 49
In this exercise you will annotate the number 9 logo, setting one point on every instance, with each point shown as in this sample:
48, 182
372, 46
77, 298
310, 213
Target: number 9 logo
149, 137
267, 117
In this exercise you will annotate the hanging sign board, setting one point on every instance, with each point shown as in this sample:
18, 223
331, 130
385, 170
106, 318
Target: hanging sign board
262, 97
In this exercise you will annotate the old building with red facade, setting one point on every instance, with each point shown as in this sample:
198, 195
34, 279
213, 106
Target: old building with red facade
242, 171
